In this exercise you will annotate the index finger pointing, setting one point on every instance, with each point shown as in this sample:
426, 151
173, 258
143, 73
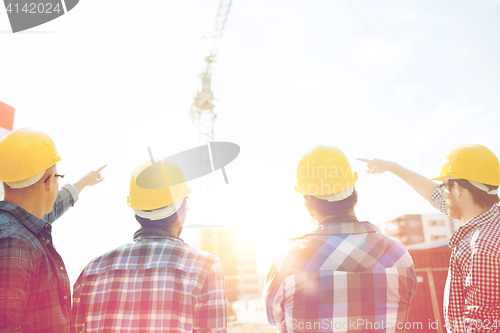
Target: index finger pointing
99, 170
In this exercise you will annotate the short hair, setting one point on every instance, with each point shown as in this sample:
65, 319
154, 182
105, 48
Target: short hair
480, 198
333, 208
165, 222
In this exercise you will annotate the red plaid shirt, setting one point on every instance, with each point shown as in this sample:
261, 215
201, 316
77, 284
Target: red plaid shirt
472, 294
34, 286
156, 284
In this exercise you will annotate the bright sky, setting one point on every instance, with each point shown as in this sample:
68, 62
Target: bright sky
397, 79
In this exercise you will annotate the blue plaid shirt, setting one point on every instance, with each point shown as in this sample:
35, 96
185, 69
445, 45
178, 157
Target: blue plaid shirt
156, 284
343, 277
34, 285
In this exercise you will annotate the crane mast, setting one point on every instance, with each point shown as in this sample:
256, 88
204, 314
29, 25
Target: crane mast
202, 112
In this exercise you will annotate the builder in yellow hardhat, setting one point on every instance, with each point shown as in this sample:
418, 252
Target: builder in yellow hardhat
158, 281
345, 275
470, 179
34, 285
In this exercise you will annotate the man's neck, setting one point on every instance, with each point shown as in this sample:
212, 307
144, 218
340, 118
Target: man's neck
470, 212
344, 218
27, 203
347, 217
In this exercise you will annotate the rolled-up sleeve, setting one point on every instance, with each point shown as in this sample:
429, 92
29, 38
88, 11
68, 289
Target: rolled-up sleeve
437, 200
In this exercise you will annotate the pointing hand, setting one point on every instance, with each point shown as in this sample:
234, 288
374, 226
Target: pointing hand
90, 179
376, 165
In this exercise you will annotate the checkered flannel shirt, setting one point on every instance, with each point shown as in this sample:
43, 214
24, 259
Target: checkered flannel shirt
472, 294
156, 284
34, 286
344, 277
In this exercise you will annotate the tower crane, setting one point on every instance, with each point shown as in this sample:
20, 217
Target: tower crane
202, 112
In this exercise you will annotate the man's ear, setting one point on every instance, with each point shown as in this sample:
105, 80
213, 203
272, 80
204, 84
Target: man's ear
355, 198
459, 189
48, 184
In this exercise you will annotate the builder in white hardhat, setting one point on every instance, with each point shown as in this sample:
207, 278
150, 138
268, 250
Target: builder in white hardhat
470, 178
158, 281
34, 288
345, 275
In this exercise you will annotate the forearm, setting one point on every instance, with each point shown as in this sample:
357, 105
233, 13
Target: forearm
66, 198
419, 183
80, 185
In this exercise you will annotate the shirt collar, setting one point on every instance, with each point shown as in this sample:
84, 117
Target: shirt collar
342, 228
29, 220
474, 223
345, 228
149, 232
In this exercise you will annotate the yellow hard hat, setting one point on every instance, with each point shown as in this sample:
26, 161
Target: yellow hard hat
24, 153
156, 185
472, 162
325, 171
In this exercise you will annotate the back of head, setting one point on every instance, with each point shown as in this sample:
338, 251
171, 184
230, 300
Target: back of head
326, 179
26, 154
475, 168
157, 191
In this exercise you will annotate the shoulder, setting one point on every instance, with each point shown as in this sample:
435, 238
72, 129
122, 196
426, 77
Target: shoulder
150, 254
21, 249
8, 222
371, 250
14, 235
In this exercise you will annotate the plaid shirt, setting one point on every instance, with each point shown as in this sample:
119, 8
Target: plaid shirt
344, 277
34, 286
472, 294
156, 284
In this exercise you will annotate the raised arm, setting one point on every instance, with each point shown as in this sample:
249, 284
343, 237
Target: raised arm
419, 183
68, 195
